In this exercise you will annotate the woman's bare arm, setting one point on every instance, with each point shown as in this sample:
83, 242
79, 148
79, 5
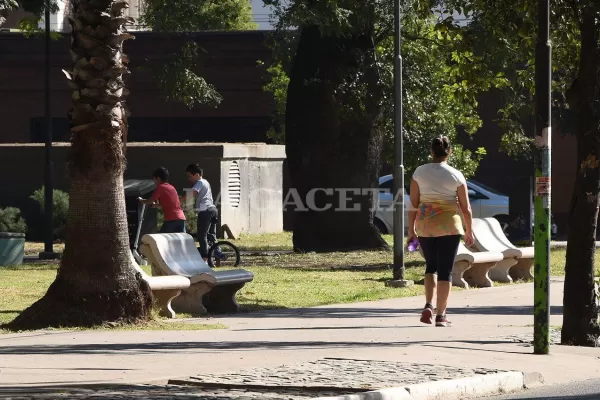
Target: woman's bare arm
465, 208
415, 199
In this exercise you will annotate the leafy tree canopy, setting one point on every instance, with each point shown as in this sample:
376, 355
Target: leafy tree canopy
36, 7
180, 77
504, 35
442, 75
198, 15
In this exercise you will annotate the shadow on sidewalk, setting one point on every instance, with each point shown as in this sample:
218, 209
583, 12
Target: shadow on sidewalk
128, 392
356, 312
186, 348
124, 391
100, 391
322, 328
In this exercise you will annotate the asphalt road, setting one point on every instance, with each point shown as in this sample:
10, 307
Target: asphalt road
586, 390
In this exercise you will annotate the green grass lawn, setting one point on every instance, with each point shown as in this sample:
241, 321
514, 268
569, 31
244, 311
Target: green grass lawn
23, 285
269, 242
305, 280
281, 281
284, 281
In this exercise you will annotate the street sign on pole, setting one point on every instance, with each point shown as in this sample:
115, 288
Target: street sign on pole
542, 186
399, 223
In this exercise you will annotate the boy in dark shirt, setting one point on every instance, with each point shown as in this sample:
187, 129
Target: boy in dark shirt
165, 196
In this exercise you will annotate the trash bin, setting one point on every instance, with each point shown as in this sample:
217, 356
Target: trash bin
135, 188
12, 246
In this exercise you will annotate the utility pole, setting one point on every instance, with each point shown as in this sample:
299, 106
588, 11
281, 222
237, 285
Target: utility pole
399, 223
543, 141
48, 252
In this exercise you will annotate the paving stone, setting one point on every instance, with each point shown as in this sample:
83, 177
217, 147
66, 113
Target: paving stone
342, 374
527, 338
326, 377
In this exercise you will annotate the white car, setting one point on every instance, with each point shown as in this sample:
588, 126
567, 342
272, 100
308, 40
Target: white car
485, 202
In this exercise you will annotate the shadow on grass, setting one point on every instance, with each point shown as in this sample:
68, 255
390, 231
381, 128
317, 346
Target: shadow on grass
376, 267
252, 305
249, 308
387, 278
32, 267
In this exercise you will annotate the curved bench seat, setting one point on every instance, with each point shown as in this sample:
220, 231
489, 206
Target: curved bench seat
517, 262
210, 291
471, 269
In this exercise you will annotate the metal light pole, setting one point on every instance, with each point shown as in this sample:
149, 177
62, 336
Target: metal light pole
48, 252
399, 223
543, 140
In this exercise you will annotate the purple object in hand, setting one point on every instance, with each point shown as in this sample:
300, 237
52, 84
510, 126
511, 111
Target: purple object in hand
413, 245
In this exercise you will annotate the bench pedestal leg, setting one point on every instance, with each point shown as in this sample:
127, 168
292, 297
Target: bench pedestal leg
221, 299
457, 274
163, 300
478, 275
522, 270
190, 301
500, 273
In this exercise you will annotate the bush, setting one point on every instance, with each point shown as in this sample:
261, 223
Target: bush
11, 220
60, 209
191, 224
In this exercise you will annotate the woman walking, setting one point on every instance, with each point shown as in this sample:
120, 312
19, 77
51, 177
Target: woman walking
437, 193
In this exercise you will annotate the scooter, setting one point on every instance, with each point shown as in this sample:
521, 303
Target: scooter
136, 244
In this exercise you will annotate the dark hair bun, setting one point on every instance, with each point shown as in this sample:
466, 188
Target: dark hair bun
441, 146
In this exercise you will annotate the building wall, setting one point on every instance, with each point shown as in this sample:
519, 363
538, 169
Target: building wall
252, 203
260, 206
229, 62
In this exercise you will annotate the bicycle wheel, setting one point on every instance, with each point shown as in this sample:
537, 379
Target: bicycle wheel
223, 254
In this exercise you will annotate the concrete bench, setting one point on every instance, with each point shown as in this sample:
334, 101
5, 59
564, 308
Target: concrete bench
472, 269
517, 263
164, 289
210, 291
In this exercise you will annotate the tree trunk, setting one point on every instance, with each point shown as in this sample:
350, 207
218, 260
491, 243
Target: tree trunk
333, 141
96, 282
580, 320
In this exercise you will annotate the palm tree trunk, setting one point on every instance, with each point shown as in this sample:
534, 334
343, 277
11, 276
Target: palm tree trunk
95, 283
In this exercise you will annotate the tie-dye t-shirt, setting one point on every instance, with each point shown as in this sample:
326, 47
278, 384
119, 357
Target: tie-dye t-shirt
438, 213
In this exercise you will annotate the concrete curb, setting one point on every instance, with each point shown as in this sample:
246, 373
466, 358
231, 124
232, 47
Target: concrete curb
483, 385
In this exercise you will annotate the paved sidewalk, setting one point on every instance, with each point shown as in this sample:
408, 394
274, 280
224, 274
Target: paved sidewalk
490, 328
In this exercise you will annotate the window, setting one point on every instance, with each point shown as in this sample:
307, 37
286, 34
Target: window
387, 186
485, 187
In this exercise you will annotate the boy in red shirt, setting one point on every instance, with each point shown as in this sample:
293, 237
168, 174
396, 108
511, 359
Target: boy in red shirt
165, 196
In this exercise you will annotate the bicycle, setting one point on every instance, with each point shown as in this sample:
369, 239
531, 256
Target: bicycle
221, 253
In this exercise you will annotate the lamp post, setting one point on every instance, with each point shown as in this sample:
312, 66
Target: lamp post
542, 161
399, 223
48, 252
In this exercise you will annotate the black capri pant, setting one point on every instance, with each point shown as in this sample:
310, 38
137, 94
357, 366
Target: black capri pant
440, 253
